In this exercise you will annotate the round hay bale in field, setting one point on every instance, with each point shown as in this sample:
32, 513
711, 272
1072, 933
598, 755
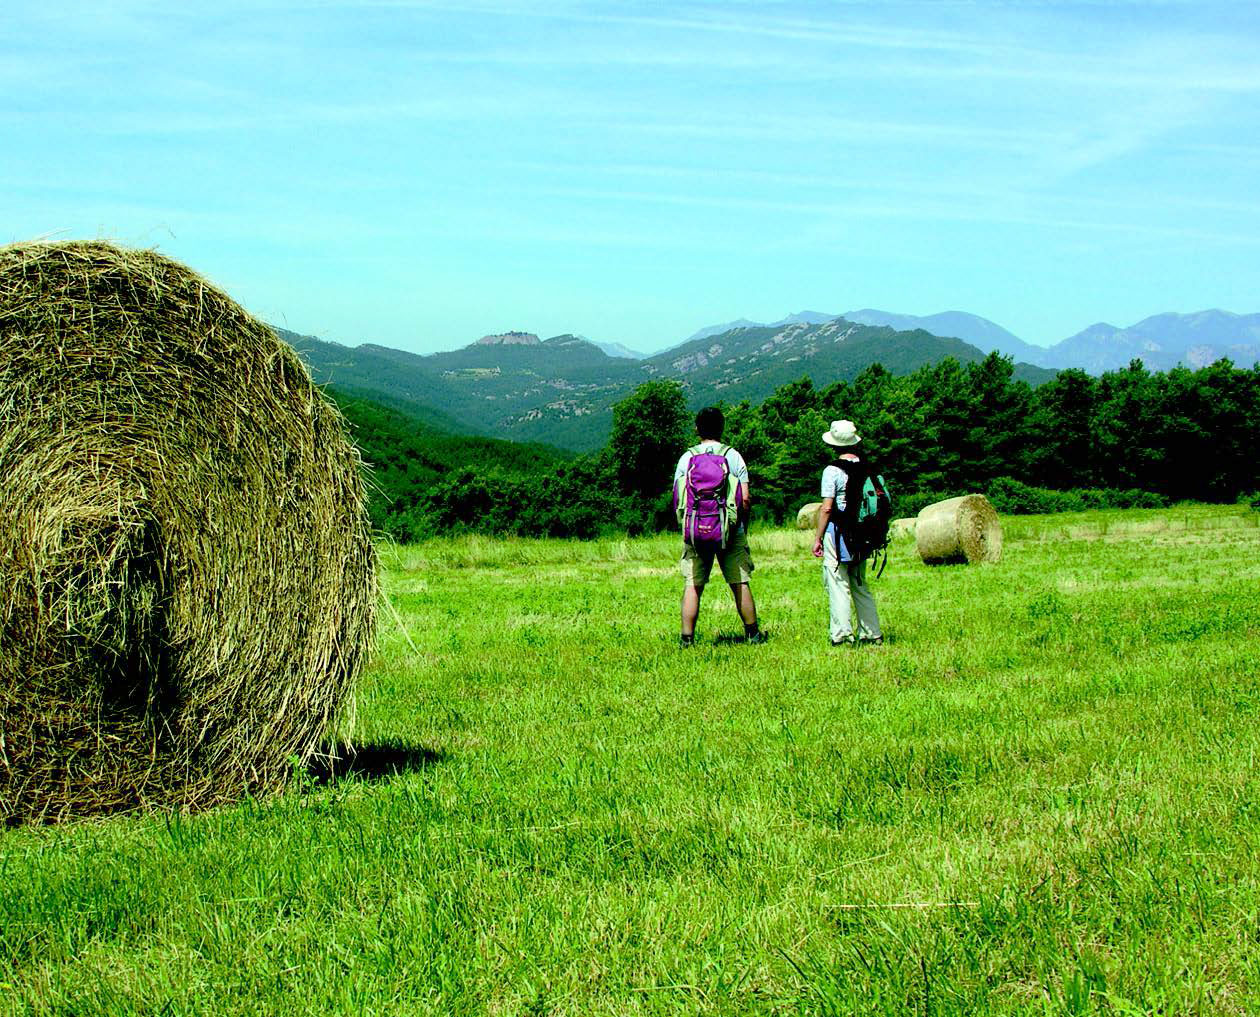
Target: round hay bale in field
187, 577
902, 528
807, 517
964, 529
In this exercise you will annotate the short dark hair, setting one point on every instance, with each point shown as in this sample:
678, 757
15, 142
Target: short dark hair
710, 423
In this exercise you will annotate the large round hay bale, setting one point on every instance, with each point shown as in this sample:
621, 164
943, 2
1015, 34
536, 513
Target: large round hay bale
964, 529
807, 517
187, 578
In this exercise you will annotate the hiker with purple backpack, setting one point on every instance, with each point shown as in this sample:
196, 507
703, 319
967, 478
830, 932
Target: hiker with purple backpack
712, 503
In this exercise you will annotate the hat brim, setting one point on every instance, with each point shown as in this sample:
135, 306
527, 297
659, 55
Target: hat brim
840, 444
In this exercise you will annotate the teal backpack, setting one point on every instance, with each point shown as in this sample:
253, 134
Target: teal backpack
867, 513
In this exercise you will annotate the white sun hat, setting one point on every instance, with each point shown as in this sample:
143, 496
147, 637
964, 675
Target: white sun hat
842, 433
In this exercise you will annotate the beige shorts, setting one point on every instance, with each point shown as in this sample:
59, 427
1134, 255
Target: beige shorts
735, 560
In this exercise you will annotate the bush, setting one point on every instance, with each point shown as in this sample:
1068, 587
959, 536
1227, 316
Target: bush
1012, 497
1015, 498
1136, 498
914, 503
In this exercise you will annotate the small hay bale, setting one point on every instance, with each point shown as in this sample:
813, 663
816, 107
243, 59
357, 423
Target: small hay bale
964, 529
187, 577
807, 517
902, 528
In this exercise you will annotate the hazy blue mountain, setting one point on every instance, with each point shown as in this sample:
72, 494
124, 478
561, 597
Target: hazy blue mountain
1163, 341
800, 317
971, 328
709, 330
806, 318
618, 350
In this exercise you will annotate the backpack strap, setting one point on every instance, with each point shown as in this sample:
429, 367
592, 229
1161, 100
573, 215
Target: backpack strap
855, 473
679, 496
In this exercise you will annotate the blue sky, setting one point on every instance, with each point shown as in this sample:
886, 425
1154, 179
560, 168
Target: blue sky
419, 174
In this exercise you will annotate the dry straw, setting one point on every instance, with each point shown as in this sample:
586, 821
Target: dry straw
959, 530
903, 528
187, 578
807, 517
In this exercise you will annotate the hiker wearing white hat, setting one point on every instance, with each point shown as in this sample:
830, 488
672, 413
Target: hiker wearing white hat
844, 567
842, 434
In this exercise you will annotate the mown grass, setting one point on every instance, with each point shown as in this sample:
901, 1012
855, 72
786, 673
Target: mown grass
1041, 796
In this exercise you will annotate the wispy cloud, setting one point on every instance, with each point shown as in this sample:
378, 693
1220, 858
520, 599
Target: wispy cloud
734, 130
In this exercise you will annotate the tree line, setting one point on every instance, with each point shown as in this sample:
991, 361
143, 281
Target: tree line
1129, 437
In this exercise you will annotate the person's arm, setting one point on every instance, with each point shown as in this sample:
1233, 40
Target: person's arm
743, 499
824, 517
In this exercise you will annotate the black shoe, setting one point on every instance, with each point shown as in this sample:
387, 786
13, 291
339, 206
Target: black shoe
877, 641
844, 642
756, 638
686, 641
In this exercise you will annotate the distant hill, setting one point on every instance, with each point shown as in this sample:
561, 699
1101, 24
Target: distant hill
980, 332
1162, 341
618, 350
392, 377
800, 317
709, 330
485, 388
970, 328
750, 363
405, 456
753, 362
509, 339
560, 391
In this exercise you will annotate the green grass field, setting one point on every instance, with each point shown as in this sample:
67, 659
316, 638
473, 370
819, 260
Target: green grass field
1040, 796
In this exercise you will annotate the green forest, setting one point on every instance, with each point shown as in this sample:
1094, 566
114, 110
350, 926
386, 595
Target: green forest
1127, 438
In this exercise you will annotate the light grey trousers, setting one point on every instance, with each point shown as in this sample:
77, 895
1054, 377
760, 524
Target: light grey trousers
846, 587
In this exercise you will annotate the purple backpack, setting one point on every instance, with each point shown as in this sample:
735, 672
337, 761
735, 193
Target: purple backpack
704, 499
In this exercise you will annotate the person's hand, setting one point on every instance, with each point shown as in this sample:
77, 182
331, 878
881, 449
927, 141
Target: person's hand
818, 548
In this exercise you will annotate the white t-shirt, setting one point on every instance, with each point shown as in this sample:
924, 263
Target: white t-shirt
834, 480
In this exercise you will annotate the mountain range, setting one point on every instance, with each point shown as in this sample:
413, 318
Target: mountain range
561, 390
1161, 341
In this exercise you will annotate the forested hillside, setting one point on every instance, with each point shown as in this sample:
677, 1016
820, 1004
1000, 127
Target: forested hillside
406, 458
1130, 437
561, 390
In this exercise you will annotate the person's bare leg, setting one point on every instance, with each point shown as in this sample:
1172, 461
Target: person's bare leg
690, 608
742, 592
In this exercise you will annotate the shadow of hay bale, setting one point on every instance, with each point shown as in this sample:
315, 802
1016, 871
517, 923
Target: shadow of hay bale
370, 762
